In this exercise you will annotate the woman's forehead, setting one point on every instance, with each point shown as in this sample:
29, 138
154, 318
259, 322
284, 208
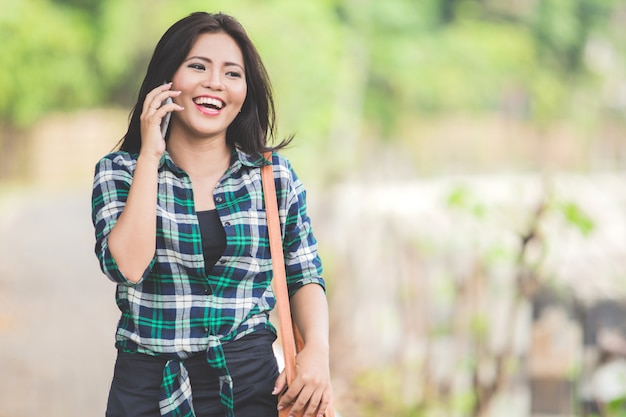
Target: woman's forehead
217, 47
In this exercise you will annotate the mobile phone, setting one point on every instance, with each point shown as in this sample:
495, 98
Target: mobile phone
165, 122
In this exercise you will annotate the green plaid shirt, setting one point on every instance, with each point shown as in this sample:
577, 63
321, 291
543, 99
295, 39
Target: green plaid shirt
179, 308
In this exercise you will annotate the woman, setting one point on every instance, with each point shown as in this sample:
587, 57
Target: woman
180, 227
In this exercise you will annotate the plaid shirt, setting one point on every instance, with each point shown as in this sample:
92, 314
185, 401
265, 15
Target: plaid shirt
178, 308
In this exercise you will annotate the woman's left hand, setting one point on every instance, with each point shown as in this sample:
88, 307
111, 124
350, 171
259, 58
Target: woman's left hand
311, 393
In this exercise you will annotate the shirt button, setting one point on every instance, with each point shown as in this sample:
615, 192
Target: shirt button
227, 224
218, 199
207, 291
222, 261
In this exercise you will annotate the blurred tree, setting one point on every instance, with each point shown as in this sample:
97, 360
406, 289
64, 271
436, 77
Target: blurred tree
477, 55
561, 29
345, 71
44, 61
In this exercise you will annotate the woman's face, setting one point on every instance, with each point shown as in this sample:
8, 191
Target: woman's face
213, 87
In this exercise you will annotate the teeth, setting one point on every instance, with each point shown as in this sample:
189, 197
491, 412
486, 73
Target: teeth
209, 101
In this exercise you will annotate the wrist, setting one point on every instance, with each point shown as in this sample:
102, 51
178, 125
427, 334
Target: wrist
317, 345
149, 158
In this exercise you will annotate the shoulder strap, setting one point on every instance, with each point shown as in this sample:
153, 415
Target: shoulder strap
278, 265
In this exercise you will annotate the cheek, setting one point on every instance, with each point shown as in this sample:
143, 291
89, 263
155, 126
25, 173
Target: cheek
181, 80
178, 82
241, 93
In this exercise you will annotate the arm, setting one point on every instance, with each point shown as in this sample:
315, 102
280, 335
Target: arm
309, 310
112, 183
311, 390
132, 241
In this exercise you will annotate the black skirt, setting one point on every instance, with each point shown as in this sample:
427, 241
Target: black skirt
137, 381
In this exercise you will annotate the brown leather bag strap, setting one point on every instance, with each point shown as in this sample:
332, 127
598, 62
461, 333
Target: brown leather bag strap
291, 338
278, 265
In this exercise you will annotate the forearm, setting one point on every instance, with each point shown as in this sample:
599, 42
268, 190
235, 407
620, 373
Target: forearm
132, 241
311, 389
309, 309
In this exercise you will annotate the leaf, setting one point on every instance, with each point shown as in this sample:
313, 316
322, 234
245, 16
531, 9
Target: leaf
576, 217
458, 197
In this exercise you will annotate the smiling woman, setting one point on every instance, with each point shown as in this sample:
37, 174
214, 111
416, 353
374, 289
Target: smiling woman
181, 228
213, 89
251, 129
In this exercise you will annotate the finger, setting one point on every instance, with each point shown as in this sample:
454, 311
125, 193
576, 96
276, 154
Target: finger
300, 403
289, 396
152, 93
169, 106
154, 115
313, 404
163, 102
155, 98
280, 384
323, 406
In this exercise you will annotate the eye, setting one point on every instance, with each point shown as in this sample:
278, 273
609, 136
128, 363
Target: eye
196, 66
233, 74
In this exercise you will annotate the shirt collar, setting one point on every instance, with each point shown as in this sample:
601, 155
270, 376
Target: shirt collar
167, 161
237, 160
254, 160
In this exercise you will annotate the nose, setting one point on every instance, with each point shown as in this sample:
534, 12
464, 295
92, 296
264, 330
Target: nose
214, 81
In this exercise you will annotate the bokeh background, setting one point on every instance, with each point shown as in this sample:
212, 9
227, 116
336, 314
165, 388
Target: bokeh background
465, 162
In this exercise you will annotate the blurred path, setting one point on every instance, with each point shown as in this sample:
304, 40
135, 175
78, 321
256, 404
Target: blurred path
57, 311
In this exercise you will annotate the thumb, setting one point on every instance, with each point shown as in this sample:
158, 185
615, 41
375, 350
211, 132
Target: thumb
281, 383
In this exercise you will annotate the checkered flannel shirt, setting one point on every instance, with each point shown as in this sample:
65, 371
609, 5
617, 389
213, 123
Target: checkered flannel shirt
179, 308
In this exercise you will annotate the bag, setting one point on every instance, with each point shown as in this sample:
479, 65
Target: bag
291, 339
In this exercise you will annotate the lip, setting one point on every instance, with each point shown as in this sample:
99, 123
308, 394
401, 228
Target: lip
207, 110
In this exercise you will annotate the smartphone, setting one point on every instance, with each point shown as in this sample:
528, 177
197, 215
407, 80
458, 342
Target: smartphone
165, 122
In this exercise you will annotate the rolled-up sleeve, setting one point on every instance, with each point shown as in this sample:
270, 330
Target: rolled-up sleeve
112, 180
302, 262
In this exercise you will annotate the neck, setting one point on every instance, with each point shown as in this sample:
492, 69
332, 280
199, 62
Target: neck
200, 158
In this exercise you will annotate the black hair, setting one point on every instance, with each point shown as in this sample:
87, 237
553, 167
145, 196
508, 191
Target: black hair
255, 124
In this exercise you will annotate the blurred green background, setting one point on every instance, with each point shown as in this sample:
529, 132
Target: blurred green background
352, 76
457, 152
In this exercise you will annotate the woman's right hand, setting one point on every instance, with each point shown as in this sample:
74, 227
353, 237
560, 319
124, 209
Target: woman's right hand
152, 142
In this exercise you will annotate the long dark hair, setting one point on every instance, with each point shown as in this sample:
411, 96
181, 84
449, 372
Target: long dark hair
254, 125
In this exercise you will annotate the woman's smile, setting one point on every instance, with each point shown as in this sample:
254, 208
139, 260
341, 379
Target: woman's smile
209, 105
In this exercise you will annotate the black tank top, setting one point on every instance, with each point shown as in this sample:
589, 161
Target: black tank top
213, 237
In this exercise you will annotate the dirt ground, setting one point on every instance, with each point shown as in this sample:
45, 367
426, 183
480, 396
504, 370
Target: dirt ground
57, 311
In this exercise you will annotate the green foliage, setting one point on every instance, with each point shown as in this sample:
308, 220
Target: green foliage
372, 63
305, 66
380, 392
576, 217
480, 326
43, 61
461, 198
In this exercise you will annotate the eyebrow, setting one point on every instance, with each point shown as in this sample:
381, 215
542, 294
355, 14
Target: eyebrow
205, 59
